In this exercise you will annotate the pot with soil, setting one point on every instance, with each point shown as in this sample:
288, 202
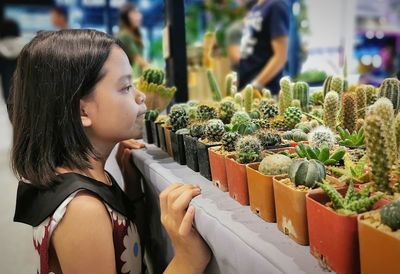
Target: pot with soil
149, 119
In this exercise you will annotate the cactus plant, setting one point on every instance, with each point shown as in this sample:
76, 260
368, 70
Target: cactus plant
226, 110
390, 88
327, 85
337, 84
306, 128
228, 140
178, 118
240, 117
151, 115
321, 135
197, 130
267, 110
205, 113
361, 99
155, 76
317, 98
230, 88
390, 215
266, 93
299, 136
397, 130
248, 149
323, 155
296, 103
306, 172
192, 114
215, 90
278, 122
214, 130
354, 202
261, 123
246, 128
239, 99
248, 98
275, 164
349, 112
292, 116
268, 138
285, 94
372, 95
301, 92
355, 139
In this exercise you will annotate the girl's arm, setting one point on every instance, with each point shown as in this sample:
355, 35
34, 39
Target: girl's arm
83, 239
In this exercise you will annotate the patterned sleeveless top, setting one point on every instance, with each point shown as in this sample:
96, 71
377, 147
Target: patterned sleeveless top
54, 201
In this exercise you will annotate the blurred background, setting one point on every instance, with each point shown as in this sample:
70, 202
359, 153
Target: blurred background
324, 36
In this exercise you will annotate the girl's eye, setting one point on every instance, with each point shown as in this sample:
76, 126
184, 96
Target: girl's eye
126, 89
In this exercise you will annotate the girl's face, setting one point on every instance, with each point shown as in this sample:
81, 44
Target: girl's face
114, 111
135, 18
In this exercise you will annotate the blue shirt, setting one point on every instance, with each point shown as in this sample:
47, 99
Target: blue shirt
265, 22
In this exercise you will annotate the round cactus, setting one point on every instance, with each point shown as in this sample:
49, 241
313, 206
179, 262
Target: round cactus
303, 127
299, 136
178, 118
276, 164
248, 149
321, 135
267, 110
390, 215
278, 122
306, 172
229, 140
261, 123
361, 99
292, 116
372, 95
197, 130
214, 130
155, 76
287, 135
192, 114
317, 98
239, 118
268, 139
226, 111
349, 111
337, 84
205, 113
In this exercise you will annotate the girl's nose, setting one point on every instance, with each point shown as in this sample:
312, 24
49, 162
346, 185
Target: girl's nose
140, 97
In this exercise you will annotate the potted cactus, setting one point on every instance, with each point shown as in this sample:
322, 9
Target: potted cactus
157, 130
149, 119
380, 228
179, 119
164, 131
260, 183
196, 131
332, 225
323, 154
248, 150
270, 140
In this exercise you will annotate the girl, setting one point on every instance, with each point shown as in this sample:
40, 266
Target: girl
72, 102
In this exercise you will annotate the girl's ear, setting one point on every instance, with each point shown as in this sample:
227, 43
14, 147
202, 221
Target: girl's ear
86, 121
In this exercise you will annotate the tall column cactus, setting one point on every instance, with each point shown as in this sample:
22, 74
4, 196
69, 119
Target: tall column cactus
331, 107
397, 131
285, 94
215, 90
337, 84
349, 112
372, 95
301, 92
378, 152
390, 88
230, 88
361, 97
248, 98
327, 85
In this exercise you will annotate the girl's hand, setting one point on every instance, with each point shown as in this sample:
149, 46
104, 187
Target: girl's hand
191, 252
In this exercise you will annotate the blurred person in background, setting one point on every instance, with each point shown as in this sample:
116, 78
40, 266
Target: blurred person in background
59, 17
11, 45
264, 45
130, 35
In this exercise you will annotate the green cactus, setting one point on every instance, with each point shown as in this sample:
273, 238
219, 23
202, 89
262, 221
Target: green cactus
327, 85
178, 118
321, 135
151, 115
353, 202
306, 172
349, 111
214, 130
301, 92
372, 95
229, 140
337, 84
215, 90
361, 99
197, 130
182, 131
275, 164
261, 123
299, 136
229, 86
390, 215
267, 110
292, 116
285, 94
192, 114
226, 111
248, 149
205, 113
155, 76
240, 117
390, 88
306, 128
321, 154
248, 98
287, 135
317, 98
378, 153
268, 138
296, 103
239, 99
266, 93
278, 122
397, 130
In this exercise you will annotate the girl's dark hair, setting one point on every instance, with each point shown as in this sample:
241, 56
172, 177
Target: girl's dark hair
54, 71
125, 22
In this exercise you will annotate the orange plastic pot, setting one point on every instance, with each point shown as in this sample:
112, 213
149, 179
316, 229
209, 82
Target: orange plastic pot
168, 144
379, 250
218, 170
237, 180
261, 193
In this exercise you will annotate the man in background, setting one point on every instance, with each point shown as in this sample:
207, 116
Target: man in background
264, 45
59, 17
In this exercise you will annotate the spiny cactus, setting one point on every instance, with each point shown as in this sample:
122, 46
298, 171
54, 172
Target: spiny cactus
248, 98
305, 127
155, 76
321, 135
285, 94
390, 215
226, 111
214, 130
192, 114
229, 85
178, 118
197, 130
151, 115
239, 99
301, 92
353, 202
215, 90
267, 110
317, 98
299, 135
296, 103
397, 130
306, 172
268, 138
361, 98
349, 111
292, 116
372, 95
278, 122
266, 93
248, 149
240, 117
275, 164
327, 85
229, 140
205, 113
378, 153
337, 84
390, 88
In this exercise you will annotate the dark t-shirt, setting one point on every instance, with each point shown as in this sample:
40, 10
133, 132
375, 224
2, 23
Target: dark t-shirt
265, 22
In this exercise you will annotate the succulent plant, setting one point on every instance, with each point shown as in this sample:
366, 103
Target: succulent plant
248, 98
246, 128
275, 164
299, 135
390, 215
301, 92
214, 130
226, 111
354, 170
268, 138
155, 76
355, 139
292, 116
390, 88
229, 140
240, 117
349, 111
306, 172
192, 113
178, 118
255, 114
327, 85
238, 99
317, 98
248, 149
372, 95
354, 202
397, 130
287, 135
359, 124
278, 122
296, 103
266, 93
267, 110
361, 101
337, 84
229, 84
205, 113
285, 94
261, 123
151, 115
323, 155
321, 135
182, 131
215, 90
306, 128
197, 130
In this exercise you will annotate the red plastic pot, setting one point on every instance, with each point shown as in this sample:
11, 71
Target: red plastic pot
237, 180
218, 170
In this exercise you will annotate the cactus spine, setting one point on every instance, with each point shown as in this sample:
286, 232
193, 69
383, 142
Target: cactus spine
248, 98
248, 149
337, 84
361, 98
285, 94
390, 88
301, 92
275, 164
331, 106
215, 90
349, 112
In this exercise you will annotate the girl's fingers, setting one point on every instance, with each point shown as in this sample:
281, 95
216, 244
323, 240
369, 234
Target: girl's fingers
174, 194
187, 221
180, 205
164, 197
